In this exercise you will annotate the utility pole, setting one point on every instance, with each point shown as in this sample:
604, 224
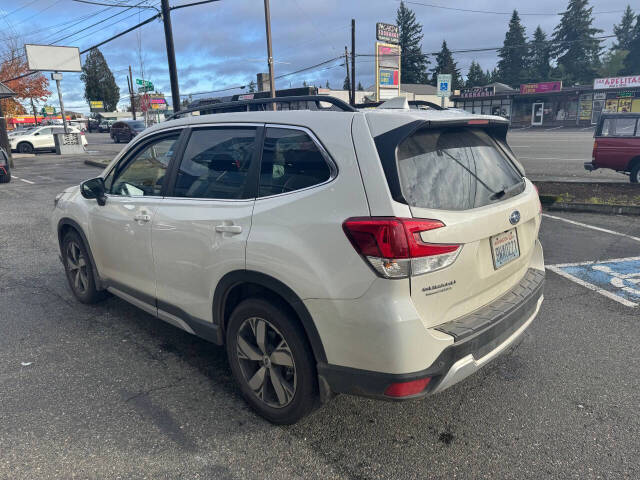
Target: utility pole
57, 77
346, 64
171, 55
4, 138
35, 115
267, 21
353, 61
130, 84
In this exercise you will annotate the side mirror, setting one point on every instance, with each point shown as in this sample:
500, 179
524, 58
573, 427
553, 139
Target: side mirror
37, 133
94, 188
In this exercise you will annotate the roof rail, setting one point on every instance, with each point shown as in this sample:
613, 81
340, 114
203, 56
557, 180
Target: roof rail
412, 103
261, 103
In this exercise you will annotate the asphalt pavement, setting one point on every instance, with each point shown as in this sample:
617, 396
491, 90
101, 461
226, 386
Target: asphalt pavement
107, 391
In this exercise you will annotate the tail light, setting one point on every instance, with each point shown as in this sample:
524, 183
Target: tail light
593, 152
406, 389
394, 248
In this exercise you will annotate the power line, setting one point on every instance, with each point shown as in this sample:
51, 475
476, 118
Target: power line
123, 5
468, 10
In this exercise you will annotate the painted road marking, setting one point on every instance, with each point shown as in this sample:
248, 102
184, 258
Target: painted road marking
617, 279
585, 225
554, 128
23, 180
553, 158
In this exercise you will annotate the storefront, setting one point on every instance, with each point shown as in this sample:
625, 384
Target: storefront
549, 104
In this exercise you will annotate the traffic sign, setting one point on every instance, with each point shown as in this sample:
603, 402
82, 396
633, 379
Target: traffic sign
444, 85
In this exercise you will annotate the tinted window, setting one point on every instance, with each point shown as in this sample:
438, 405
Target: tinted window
136, 125
607, 127
45, 131
290, 161
625, 127
144, 174
216, 164
453, 169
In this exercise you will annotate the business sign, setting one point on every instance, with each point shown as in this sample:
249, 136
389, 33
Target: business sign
53, 58
387, 32
388, 55
96, 106
475, 92
616, 82
444, 85
542, 87
48, 110
388, 78
157, 102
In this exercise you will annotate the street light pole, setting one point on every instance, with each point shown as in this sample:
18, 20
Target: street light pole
267, 21
57, 77
353, 61
171, 55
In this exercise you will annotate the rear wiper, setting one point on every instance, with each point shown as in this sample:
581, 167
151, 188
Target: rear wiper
506, 192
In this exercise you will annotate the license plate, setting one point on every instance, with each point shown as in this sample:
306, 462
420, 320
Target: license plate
504, 247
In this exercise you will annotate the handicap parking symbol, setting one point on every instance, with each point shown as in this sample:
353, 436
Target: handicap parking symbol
617, 279
444, 86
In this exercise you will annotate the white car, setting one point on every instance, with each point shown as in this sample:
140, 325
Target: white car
385, 253
40, 138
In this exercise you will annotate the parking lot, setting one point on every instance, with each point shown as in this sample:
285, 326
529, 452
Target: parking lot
107, 391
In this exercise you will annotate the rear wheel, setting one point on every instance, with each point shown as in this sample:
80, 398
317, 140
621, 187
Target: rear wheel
79, 269
634, 176
116, 139
25, 148
272, 362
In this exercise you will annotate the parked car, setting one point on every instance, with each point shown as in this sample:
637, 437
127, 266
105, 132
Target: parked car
617, 144
125, 130
40, 138
5, 168
380, 253
105, 126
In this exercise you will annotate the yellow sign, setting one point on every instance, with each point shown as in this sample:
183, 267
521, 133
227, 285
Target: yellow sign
611, 105
49, 110
635, 106
624, 104
96, 104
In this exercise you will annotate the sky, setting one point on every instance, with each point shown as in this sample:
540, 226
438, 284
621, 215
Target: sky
223, 44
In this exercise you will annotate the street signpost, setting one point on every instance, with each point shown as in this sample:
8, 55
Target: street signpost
444, 87
144, 85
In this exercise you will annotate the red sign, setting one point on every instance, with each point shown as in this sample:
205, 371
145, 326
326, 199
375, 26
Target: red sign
543, 87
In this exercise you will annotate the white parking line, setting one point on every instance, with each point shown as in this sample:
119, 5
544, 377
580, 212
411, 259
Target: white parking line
592, 227
552, 158
23, 180
520, 146
554, 128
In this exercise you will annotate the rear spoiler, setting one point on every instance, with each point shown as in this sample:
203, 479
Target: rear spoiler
387, 143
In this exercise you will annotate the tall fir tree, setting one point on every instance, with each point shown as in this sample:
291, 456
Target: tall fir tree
360, 87
513, 63
446, 64
632, 60
99, 83
539, 57
413, 63
624, 31
492, 75
346, 85
576, 48
476, 77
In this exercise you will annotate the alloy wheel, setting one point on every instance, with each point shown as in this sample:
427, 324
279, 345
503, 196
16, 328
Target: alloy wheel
77, 265
266, 362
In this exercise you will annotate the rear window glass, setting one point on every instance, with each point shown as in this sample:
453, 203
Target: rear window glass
455, 169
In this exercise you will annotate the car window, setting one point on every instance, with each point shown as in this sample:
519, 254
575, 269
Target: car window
45, 131
216, 164
625, 127
291, 160
607, 127
144, 174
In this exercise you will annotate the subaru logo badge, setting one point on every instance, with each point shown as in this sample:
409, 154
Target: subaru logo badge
514, 217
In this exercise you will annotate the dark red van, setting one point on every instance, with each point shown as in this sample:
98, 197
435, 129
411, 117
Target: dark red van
617, 144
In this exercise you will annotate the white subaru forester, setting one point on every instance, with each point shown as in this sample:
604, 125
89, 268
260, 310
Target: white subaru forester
387, 252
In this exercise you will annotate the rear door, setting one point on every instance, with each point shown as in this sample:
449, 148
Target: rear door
463, 177
200, 231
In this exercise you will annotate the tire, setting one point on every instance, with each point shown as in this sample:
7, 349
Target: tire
294, 392
5, 178
634, 176
25, 147
79, 270
116, 139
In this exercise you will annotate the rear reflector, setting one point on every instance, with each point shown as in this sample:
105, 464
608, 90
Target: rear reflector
406, 389
478, 122
394, 246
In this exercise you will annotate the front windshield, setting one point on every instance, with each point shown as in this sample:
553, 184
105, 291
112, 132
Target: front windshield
136, 125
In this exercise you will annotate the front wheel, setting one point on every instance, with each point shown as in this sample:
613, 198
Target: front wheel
271, 360
634, 176
25, 148
79, 269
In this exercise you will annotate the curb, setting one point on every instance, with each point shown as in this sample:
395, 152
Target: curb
593, 208
96, 163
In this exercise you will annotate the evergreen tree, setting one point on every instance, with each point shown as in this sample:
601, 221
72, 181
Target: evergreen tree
576, 47
326, 85
413, 62
540, 57
304, 83
446, 64
613, 63
491, 75
476, 77
99, 83
360, 87
513, 63
624, 31
632, 61
252, 86
346, 85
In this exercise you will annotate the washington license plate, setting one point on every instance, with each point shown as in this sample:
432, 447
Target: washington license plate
504, 247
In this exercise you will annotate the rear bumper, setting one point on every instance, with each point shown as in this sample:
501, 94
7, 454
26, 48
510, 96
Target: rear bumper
589, 166
479, 338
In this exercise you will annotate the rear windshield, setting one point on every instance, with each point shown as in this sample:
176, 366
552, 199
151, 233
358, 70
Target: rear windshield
455, 169
136, 125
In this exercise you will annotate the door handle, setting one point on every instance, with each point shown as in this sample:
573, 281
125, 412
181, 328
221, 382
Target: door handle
142, 218
229, 229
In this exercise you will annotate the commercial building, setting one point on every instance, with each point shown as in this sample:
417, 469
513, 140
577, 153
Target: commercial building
550, 104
